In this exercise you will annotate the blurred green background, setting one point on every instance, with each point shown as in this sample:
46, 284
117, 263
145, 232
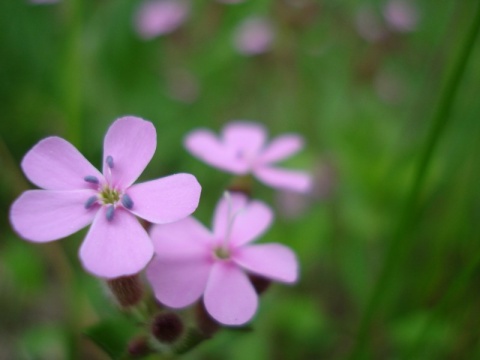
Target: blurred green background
389, 243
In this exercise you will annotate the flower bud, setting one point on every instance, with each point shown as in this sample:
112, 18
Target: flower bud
167, 327
138, 347
128, 290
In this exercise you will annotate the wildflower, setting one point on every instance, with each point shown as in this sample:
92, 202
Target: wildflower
230, 1
241, 150
76, 194
159, 17
254, 36
43, 2
191, 261
401, 15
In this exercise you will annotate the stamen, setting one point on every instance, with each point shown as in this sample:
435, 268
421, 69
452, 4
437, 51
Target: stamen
127, 201
91, 200
110, 212
91, 179
109, 161
231, 217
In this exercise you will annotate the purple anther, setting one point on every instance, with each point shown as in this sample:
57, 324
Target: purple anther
91, 200
91, 179
109, 161
127, 201
110, 212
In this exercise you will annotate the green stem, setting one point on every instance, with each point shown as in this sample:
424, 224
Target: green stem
399, 244
458, 285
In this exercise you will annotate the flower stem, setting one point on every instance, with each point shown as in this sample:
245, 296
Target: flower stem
400, 244
459, 284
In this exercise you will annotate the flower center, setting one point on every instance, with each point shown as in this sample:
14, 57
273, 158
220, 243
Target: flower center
221, 253
109, 195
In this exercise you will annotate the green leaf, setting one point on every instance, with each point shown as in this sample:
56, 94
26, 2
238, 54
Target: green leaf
112, 335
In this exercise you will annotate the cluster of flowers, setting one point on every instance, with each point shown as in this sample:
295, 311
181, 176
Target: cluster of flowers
253, 36
398, 16
183, 259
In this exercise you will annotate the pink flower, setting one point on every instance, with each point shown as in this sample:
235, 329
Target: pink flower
254, 36
42, 2
230, 1
241, 149
158, 17
191, 261
76, 194
401, 15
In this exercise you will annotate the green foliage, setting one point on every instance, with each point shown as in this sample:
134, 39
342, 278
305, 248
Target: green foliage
113, 335
365, 110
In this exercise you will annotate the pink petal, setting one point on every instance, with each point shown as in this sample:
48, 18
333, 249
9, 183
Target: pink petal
247, 138
281, 148
252, 219
178, 282
179, 271
160, 17
46, 215
230, 297
207, 147
115, 248
165, 200
254, 36
285, 179
274, 261
131, 142
182, 238
401, 15
55, 164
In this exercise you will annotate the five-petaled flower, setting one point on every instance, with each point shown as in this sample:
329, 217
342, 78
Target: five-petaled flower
76, 194
190, 260
241, 150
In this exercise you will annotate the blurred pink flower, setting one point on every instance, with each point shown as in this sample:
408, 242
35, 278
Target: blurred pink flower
401, 15
76, 194
292, 205
231, 1
42, 2
241, 149
254, 36
191, 261
158, 17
